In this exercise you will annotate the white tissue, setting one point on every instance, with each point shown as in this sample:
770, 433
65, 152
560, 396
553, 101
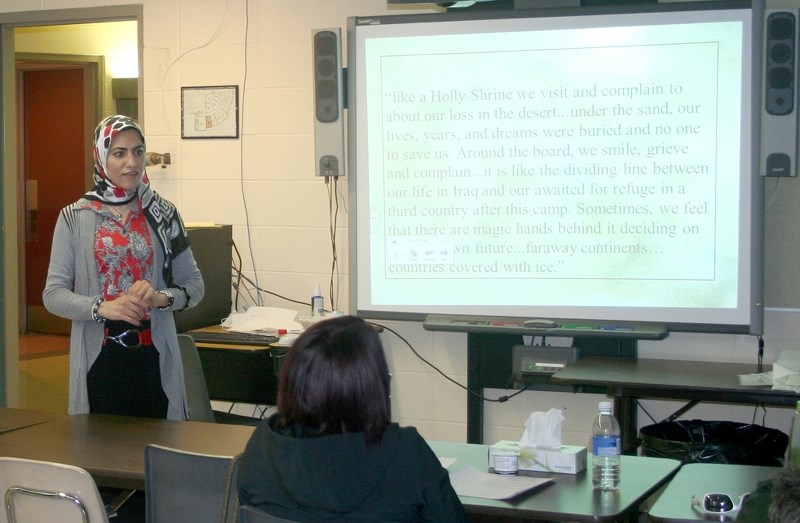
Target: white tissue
543, 430
786, 371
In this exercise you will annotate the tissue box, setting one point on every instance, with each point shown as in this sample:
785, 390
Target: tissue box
569, 459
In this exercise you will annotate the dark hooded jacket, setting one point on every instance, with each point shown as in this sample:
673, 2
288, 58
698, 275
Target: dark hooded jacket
337, 477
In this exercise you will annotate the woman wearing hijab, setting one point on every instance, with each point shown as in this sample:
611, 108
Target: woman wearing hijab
120, 265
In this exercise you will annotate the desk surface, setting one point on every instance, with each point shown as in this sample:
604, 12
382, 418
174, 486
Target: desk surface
14, 419
697, 479
673, 379
224, 345
111, 448
569, 497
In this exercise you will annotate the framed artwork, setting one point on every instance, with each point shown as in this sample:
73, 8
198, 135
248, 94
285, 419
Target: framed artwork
210, 112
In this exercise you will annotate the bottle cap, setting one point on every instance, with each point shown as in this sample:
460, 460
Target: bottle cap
317, 292
605, 405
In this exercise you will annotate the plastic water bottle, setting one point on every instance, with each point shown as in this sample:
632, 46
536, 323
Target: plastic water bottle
317, 303
606, 449
794, 448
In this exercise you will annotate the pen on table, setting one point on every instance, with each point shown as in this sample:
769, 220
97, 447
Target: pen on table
271, 332
615, 328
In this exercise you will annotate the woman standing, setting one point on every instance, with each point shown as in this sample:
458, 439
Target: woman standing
120, 265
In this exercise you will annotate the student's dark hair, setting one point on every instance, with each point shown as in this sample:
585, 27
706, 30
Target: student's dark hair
335, 380
785, 506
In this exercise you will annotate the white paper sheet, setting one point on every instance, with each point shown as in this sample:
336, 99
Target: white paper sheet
473, 482
446, 462
263, 319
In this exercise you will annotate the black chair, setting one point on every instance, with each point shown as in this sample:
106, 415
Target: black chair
182, 486
194, 378
195, 381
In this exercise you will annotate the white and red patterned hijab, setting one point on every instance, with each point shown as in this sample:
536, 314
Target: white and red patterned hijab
104, 134
160, 214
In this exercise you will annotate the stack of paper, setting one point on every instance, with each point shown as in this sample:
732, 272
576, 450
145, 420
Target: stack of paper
265, 320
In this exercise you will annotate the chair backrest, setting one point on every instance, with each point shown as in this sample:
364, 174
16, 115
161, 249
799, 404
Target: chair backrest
47, 492
183, 486
248, 514
195, 381
231, 504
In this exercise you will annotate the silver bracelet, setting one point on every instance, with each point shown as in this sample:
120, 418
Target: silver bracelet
170, 299
96, 307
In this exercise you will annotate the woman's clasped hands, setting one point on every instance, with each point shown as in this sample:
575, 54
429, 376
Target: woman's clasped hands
133, 305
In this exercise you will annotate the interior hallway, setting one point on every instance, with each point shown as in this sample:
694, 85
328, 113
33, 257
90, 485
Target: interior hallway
43, 372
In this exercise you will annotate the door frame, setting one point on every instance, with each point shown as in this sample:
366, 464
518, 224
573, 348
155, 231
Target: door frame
9, 189
94, 73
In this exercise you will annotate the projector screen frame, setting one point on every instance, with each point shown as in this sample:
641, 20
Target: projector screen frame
754, 323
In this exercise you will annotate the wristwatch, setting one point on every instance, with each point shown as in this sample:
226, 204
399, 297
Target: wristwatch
170, 299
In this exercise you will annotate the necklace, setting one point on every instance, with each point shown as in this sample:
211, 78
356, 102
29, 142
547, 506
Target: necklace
120, 216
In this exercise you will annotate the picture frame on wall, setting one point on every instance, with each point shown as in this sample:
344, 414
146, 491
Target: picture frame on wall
210, 112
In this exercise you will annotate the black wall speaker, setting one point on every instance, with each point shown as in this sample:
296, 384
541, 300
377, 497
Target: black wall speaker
328, 102
779, 147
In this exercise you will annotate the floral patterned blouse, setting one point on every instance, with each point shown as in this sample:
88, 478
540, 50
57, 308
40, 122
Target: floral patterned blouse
124, 251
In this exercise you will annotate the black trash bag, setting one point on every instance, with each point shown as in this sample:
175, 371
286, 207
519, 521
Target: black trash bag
698, 441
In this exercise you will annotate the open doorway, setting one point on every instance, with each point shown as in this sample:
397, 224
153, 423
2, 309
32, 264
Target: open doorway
57, 99
70, 94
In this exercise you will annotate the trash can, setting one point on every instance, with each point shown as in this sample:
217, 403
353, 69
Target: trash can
698, 441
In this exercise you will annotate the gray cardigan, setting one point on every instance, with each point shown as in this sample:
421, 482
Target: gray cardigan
73, 285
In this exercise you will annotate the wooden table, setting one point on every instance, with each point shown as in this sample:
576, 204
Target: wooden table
697, 479
111, 448
13, 419
570, 497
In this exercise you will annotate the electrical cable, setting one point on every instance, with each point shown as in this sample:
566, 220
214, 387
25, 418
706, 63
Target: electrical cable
501, 399
271, 293
773, 195
333, 211
639, 404
763, 414
165, 70
237, 269
259, 298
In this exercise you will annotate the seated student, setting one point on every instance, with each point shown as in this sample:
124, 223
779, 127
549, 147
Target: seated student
776, 500
785, 506
331, 450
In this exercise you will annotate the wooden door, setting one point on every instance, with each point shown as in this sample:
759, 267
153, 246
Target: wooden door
53, 147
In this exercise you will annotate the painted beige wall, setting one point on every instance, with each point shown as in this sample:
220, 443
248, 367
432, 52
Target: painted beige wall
264, 185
